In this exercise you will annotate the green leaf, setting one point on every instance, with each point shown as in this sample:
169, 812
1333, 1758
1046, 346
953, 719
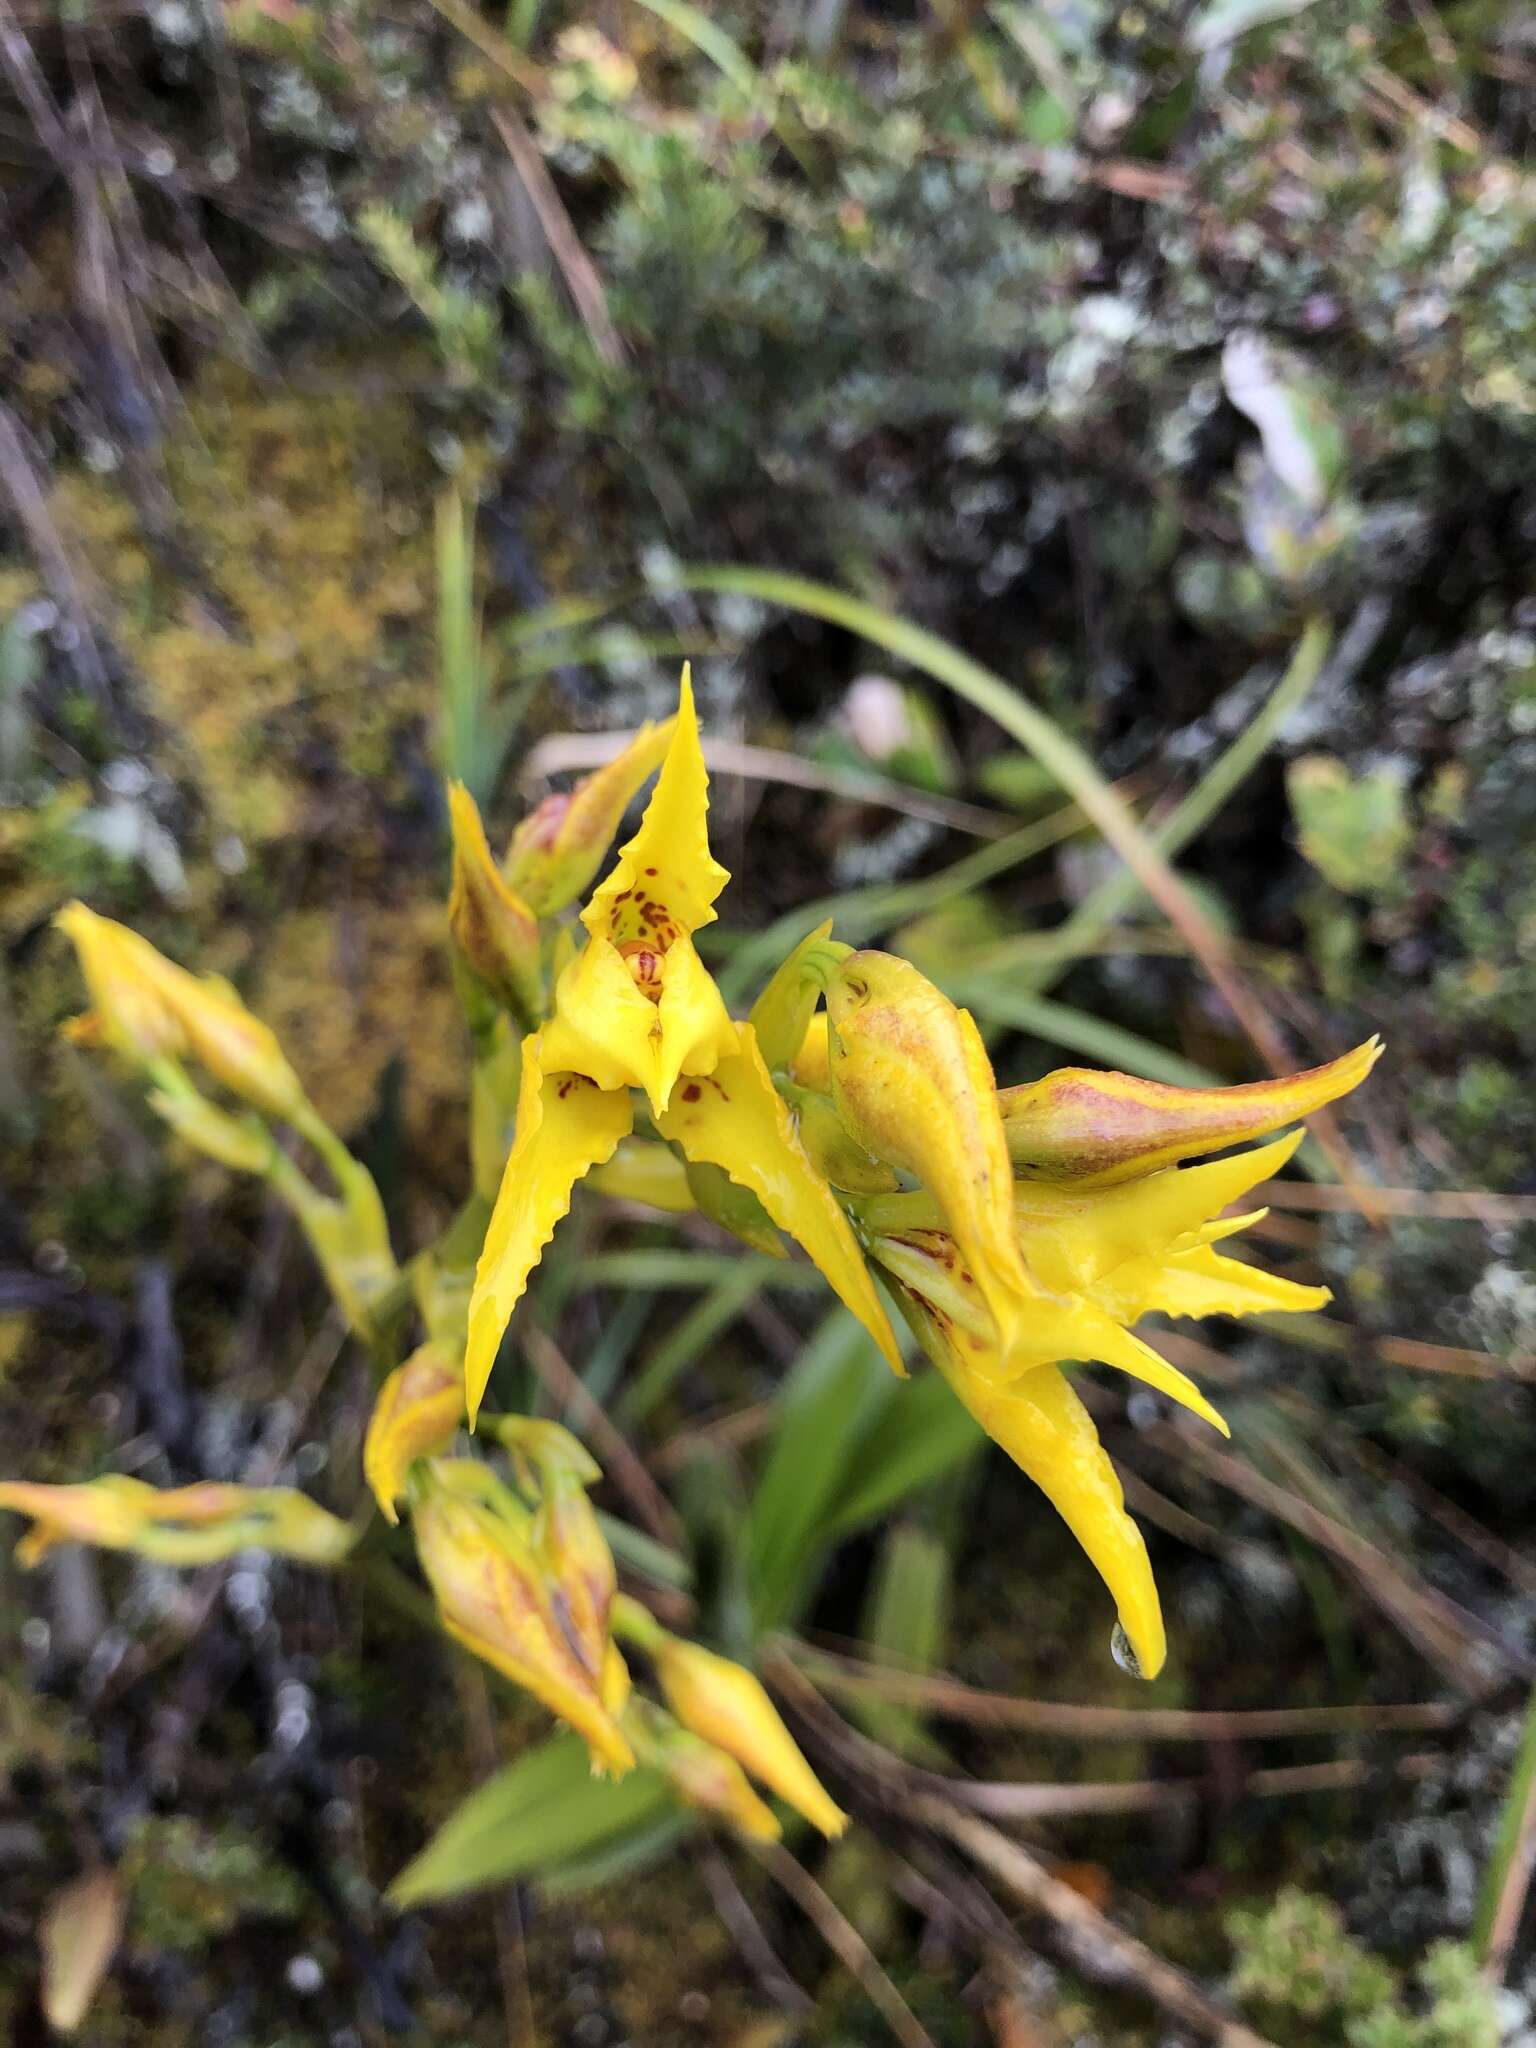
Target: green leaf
921, 1434
838, 1387
537, 1815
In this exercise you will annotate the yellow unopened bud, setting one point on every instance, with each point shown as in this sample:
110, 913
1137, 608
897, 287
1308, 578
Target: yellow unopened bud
565, 1534
727, 1706
559, 846
496, 933
148, 1008
700, 1774
129, 1012
417, 1414
912, 1083
1094, 1129
493, 1597
185, 1525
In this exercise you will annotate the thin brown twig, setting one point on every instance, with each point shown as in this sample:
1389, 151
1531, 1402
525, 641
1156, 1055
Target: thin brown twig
952, 1699
845, 1942
506, 1912
741, 1924
612, 1448
1015, 1802
1087, 1930
565, 245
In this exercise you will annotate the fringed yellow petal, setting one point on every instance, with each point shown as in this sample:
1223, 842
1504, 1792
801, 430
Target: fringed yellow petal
1073, 1236
559, 846
912, 1082
1203, 1283
565, 1125
736, 1119
416, 1415
1097, 1128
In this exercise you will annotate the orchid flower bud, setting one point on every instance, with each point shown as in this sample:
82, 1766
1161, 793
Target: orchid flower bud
559, 846
494, 931
565, 1534
699, 1773
416, 1415
493, 1597
185, 1525
726, 1705
912, 1083
1093, 1129
147, 1008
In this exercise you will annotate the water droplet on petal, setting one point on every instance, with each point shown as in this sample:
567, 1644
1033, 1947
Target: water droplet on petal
1120, 1649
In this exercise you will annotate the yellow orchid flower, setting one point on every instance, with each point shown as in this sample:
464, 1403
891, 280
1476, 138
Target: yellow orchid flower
1103, 1256
559, 846
493, 1595
416, 1415
636, 1009
183, 1525
700, 1774
725, 1704
1094, 1129
912, 1083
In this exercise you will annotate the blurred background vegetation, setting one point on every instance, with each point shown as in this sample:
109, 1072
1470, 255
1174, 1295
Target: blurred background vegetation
393, 387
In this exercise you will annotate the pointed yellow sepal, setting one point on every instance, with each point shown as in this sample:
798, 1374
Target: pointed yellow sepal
559, 846
912, 1082
184, 1525
494, 931
1043, 1426
565, 1126
1095, 1128
726, 1705
147, 1008
735, 1118
416, 1415
494, 1598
